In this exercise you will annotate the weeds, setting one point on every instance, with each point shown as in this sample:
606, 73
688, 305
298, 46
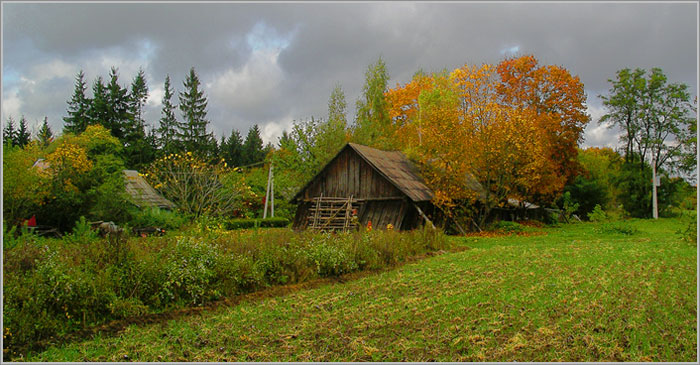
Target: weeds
81, 280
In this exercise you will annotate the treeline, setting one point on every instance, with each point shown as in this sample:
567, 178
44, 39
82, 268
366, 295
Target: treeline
481, 135
120, 109
484, 134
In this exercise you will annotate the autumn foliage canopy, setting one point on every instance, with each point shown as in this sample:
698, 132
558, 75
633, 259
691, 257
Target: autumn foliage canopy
514, 128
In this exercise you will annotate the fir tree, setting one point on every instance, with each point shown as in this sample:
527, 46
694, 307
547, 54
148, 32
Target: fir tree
99, 110
9, 134
78, 108
232, 149
23, 136
193, 129
119, 115
138, 96
168, 123
136, 148
253, 147
45, 135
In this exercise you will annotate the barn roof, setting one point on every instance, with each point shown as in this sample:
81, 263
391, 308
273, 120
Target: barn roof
393, 166
396, 168
142, 194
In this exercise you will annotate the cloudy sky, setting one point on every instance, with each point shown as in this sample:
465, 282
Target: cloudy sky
273, 63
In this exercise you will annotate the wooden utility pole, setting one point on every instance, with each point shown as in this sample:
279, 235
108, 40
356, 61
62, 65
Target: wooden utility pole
269, 194
654, 184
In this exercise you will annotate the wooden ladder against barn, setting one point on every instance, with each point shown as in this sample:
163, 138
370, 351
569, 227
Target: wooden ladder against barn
332, 213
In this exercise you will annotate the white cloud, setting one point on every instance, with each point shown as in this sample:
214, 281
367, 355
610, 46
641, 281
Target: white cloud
272, 131
155, 97
250, 86
247, 89
53, 69
11, 105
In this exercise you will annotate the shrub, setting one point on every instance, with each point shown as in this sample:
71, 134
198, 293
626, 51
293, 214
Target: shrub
587, 193
156, 217
508, 227
330, 256
82, 232
58, 286
690, 232
197, 187
616, 228
597, 215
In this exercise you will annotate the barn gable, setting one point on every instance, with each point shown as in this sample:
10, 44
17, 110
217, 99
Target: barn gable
381, 187
392, 174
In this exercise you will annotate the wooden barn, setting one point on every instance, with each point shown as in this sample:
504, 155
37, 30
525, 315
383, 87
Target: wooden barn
361, 186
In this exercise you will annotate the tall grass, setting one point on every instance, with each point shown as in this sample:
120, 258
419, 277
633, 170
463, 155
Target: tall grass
54, 287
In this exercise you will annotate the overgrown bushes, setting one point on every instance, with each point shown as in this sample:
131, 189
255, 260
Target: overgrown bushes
54, 286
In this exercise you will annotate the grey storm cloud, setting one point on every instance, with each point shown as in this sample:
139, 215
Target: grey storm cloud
272, 63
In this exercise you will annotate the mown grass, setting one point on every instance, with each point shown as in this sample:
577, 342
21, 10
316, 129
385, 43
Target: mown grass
577, 293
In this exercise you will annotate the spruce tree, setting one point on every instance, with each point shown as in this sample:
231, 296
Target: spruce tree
78, 108
9, 134
136, 148
138, 96
119, 114
193, 129
253, 147
232, 149
99, 110
45, 135
168, 123
23, 136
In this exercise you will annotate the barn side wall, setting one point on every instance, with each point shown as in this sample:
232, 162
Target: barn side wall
349, 174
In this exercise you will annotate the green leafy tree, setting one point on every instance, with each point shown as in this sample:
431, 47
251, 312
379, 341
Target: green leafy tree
85, 178
45, 135
657, 121
23, 136
332, 134
655, 116
372, 121
24, 188
168, 128
9, 134
78, 108
193, 105
253, 147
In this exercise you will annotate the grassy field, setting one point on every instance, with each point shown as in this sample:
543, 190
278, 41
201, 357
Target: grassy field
582, 292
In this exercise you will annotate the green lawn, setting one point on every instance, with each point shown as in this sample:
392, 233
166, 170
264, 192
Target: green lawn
576, 293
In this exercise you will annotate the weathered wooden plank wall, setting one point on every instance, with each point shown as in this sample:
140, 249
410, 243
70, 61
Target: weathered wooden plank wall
349, 175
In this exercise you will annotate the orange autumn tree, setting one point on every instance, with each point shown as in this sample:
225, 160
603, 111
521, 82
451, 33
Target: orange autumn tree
468, 127
402, 103
557, 101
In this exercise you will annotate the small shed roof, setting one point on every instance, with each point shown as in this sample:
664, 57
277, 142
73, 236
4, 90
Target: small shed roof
142, 194
393, 166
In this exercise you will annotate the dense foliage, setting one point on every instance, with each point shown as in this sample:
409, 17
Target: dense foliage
53, 287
